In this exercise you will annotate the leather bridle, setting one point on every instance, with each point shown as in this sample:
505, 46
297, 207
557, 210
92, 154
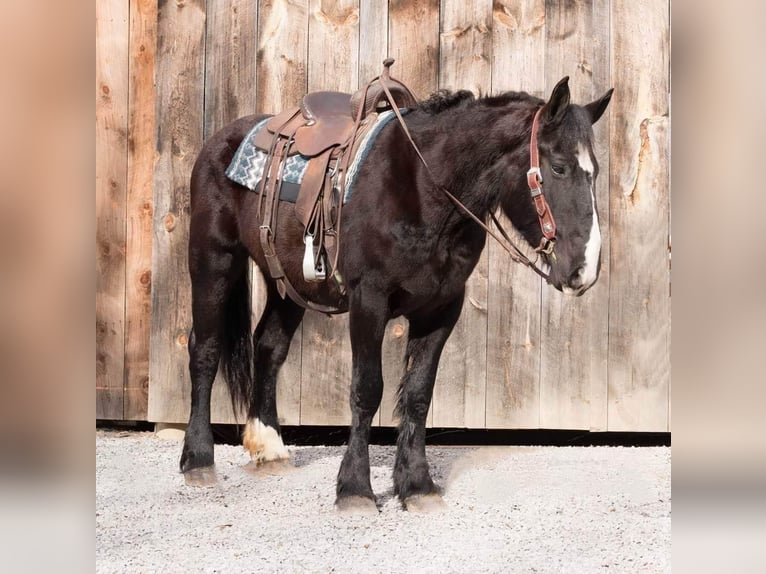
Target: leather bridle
535, 182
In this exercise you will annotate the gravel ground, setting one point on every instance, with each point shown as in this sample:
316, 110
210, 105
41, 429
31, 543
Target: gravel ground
511, 509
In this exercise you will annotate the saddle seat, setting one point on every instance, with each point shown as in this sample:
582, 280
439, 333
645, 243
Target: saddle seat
373, 99
328, 122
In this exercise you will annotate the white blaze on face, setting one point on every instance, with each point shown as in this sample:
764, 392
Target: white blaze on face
593, 245
263, 442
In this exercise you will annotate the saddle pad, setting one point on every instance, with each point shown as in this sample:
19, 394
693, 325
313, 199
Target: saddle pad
246, 168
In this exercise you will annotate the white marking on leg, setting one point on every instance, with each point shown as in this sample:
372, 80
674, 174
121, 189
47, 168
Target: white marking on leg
263, 442
593, 245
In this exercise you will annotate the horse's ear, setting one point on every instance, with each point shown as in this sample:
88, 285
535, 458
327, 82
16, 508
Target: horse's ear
597, 108
556, 107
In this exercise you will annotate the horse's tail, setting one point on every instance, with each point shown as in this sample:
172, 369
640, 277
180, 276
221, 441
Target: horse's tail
237, 344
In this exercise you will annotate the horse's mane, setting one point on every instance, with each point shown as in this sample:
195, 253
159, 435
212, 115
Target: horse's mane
447, 100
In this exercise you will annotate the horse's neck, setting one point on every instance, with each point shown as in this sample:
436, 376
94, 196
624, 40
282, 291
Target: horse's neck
471, 160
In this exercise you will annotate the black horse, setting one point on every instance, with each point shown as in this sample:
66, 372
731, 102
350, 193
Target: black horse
405, 249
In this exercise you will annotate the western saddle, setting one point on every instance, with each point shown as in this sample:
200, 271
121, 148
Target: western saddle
326, 129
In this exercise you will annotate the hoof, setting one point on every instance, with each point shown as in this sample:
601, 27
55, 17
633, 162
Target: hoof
425, 503
356, 505
269, 468
201, 477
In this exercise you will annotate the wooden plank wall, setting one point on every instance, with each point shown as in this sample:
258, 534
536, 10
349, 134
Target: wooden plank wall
111, 183
168, 74
513, 328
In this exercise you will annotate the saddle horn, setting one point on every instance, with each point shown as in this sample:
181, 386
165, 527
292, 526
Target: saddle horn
376, 95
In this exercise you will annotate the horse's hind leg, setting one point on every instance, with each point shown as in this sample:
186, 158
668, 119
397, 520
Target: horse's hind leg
271, 342
428, 334
220, 313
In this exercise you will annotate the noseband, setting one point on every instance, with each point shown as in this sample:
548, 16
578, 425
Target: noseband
535, 182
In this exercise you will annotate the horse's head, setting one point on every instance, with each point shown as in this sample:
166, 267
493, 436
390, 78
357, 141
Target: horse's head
569, 169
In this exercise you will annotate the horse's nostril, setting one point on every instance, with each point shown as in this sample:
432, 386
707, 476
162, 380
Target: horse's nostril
575, 279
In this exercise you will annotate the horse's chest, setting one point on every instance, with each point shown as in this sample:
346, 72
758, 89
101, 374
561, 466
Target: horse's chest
439, 277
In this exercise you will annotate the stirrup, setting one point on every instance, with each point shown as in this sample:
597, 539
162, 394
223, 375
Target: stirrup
312, 272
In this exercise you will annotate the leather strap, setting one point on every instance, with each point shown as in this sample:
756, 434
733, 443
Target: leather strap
535, 183
269, 197
343, 163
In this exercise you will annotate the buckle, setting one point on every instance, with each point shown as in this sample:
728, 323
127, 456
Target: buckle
547, 246
537, 173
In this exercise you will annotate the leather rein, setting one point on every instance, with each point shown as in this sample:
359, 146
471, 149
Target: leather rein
535, 183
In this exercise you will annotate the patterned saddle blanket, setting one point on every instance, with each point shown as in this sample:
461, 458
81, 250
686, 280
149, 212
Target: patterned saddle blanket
246, 168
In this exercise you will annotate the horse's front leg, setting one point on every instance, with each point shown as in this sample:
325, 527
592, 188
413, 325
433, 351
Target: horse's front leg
368, 313
428, 334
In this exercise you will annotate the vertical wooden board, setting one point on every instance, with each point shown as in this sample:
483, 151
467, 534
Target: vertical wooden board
326, 370
111, 182
394, 351
373, 49
373, 34
333, 45
138, 273
513, 298
230, 46
326, 353
639, 302
230, 52
602, 80
413, 39
574, 330
282, 61
179, 109
460, 391
281, 80
465, 49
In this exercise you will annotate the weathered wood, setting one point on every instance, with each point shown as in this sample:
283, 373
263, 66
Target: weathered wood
547, 358
230, 55
111, 182
513, 325
282, 78
333, 45
326, 354
639, 296
413, 40
574, 330
465, 49
230, 48
394, 351
138, 272
180, 95
460, 391
326, 373
602, 79
282, 54
373, 49
373, 34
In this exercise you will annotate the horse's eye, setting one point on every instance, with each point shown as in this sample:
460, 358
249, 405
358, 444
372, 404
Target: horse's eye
558, 169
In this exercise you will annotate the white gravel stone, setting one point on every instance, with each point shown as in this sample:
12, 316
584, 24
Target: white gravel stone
510, 509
